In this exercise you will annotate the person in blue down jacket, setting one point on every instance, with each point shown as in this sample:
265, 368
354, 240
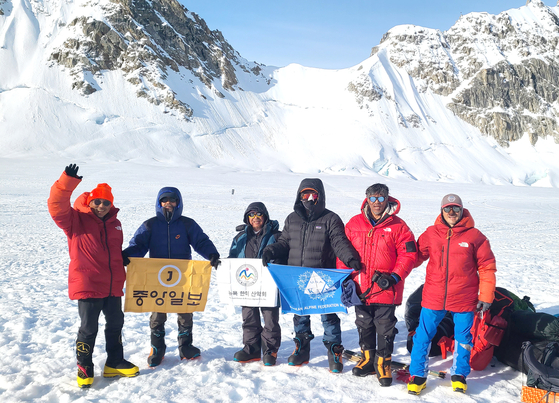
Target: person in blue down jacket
170, 235
257, 232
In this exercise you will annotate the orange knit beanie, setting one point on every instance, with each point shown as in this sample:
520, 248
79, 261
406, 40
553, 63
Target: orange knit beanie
102, 191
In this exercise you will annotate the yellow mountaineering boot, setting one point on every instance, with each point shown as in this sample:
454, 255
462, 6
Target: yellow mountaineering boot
416, 385
124, 368
365, 366
85, 376
459, 383
384, 371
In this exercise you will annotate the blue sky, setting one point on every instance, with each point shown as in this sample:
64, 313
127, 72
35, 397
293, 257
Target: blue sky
326, 33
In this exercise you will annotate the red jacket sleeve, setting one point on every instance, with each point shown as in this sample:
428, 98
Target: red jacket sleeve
407, 251
486, 268
59, 205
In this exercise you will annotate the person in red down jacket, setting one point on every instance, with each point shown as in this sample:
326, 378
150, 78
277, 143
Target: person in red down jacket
460, 278
96, 274
388, 253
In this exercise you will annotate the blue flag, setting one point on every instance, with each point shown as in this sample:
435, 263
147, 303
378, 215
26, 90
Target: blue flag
305, 290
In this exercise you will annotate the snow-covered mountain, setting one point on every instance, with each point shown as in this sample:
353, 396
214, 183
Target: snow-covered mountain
149, 81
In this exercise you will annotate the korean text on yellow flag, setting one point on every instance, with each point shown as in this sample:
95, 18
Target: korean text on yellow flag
167, 285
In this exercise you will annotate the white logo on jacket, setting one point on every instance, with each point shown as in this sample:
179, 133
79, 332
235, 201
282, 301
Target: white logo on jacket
118, 228
388, 229
463, 244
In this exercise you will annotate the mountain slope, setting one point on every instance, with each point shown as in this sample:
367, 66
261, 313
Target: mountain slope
149, 81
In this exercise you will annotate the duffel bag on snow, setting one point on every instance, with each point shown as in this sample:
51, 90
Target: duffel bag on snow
541, 374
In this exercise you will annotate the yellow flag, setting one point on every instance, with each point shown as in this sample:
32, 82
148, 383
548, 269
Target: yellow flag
167, 285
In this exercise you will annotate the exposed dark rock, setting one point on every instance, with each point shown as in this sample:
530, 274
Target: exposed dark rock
505, 100
144, 39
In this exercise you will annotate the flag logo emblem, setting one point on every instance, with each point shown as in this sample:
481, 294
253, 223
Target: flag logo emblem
316, 286
247, 275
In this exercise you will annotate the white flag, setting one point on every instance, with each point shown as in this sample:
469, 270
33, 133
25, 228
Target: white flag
246, 282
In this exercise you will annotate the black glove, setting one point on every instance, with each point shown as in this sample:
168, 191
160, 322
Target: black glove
483, 306
388, 280
214, 259
354, 264
267, 257
125, 259
72, 170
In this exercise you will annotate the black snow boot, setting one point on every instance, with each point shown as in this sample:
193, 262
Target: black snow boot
302, 352
186, 350
335, 351
249, 353
270, 358
366, 366
158, 348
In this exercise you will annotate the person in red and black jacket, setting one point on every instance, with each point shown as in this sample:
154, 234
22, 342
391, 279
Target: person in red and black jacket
460, 279
96, 274
388, 253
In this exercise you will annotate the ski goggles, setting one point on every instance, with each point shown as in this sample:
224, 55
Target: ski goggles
380, 199
168, 199
309, 195
105, 203
456, 209
253, 214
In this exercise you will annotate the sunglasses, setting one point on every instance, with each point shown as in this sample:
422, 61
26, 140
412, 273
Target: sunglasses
309, 196
455, 208
252, 214
373, 199
168, 199
97, 202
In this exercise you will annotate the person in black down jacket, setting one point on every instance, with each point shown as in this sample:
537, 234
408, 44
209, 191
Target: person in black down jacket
257, 232
314, 236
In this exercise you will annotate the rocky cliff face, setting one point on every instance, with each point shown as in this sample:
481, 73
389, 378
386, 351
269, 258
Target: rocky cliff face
500, 73
144, 39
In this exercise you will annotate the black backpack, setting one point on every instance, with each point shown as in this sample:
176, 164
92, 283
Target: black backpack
543, 373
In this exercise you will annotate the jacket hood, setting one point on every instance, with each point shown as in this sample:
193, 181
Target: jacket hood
259, 208
317, 209
81, 205
159, 210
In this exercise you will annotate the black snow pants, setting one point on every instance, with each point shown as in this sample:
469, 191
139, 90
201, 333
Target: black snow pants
268, 338
89, 310
373, 320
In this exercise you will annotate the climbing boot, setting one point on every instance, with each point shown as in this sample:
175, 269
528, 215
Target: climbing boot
85, 376
302, 352
335, 351
158, 348
384, 371
416, 385
366, 366
249, 353
270, 358
123, 368
459, 383
186, 350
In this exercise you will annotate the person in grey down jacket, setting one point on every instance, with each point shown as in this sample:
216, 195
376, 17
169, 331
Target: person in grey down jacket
169, 235
314, 236
254, 235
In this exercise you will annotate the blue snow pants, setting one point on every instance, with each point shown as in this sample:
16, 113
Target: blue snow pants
428, 322
330, 322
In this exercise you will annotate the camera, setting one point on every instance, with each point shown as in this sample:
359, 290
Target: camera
383, 283
381, 280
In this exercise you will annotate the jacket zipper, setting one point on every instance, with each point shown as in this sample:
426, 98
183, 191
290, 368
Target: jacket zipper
305, 228
446, 282
109, 252
169, 239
